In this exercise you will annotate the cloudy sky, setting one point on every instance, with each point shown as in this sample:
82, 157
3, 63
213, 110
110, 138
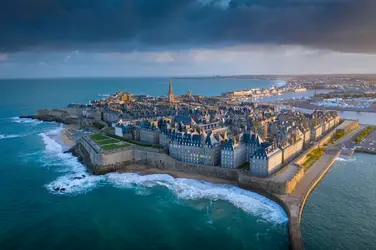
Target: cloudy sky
68, 38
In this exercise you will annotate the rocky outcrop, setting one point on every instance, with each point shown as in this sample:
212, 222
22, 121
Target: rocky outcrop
54, 115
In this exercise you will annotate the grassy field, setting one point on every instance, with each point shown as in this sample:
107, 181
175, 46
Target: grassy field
96, 137
142, 144
108, 143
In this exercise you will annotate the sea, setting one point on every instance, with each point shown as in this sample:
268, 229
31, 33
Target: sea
341, 212
115, 211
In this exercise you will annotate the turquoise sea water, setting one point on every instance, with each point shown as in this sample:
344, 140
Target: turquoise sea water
115, 211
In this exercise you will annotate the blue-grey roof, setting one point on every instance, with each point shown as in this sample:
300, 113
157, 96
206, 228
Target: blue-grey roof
228, 145
186, 120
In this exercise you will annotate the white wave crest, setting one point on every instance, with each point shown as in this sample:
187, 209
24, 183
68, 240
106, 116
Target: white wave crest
190, 189
346, 160
9, 136
73, 184
26, 120
76, 180
103, 95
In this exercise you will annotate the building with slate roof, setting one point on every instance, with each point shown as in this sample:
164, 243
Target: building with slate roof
195, 148
233, 153
266, 160
147, 131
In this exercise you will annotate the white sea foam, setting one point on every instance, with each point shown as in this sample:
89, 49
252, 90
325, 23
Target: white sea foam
9, 136
190, 189
76, 180
103, 95
352, 159
26, 120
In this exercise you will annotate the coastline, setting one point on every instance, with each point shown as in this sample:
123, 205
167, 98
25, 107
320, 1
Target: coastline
66, 138
144, 170
312, 107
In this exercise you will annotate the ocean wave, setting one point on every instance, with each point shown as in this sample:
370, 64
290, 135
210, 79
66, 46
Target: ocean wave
9, 136
191, 189
104, 95
74, 184
26, 120
76, 180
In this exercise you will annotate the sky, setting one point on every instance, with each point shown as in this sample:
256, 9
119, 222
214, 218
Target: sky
78, 38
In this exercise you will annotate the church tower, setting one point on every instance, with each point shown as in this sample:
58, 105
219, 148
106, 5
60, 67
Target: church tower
171, 97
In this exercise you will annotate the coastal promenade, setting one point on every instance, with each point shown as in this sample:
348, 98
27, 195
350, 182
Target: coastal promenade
295, 201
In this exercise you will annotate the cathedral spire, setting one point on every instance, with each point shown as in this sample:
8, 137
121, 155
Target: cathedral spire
170, 93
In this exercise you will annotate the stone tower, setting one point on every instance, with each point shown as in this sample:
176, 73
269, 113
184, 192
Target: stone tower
171, 97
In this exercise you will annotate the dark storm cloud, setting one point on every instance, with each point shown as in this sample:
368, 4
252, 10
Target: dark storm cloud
113, 25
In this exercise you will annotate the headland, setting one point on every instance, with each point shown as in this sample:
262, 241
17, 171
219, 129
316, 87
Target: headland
279, 153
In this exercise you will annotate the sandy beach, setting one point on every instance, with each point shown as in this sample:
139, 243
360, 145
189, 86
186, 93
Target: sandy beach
66, 138
144, 170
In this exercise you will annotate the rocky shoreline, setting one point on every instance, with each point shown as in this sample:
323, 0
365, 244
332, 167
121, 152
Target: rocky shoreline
54, 115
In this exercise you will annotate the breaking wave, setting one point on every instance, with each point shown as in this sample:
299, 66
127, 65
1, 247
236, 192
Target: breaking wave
76, 179
103, 95
26, 120
190, 189
9, 136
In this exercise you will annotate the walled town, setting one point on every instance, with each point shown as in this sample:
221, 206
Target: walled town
276, 151
258, 139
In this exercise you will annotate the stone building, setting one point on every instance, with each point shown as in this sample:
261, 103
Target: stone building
233, 153
148, 132
266, 160
195, 148
110, 115
290, 149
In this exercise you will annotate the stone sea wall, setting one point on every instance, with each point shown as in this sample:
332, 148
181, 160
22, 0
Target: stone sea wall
100, 163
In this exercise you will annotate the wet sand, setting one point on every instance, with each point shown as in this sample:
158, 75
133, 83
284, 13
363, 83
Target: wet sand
66, 138
143, 170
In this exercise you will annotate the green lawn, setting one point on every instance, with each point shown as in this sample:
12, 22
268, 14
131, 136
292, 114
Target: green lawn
142, 144
97, 137
106, 141
114, 146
